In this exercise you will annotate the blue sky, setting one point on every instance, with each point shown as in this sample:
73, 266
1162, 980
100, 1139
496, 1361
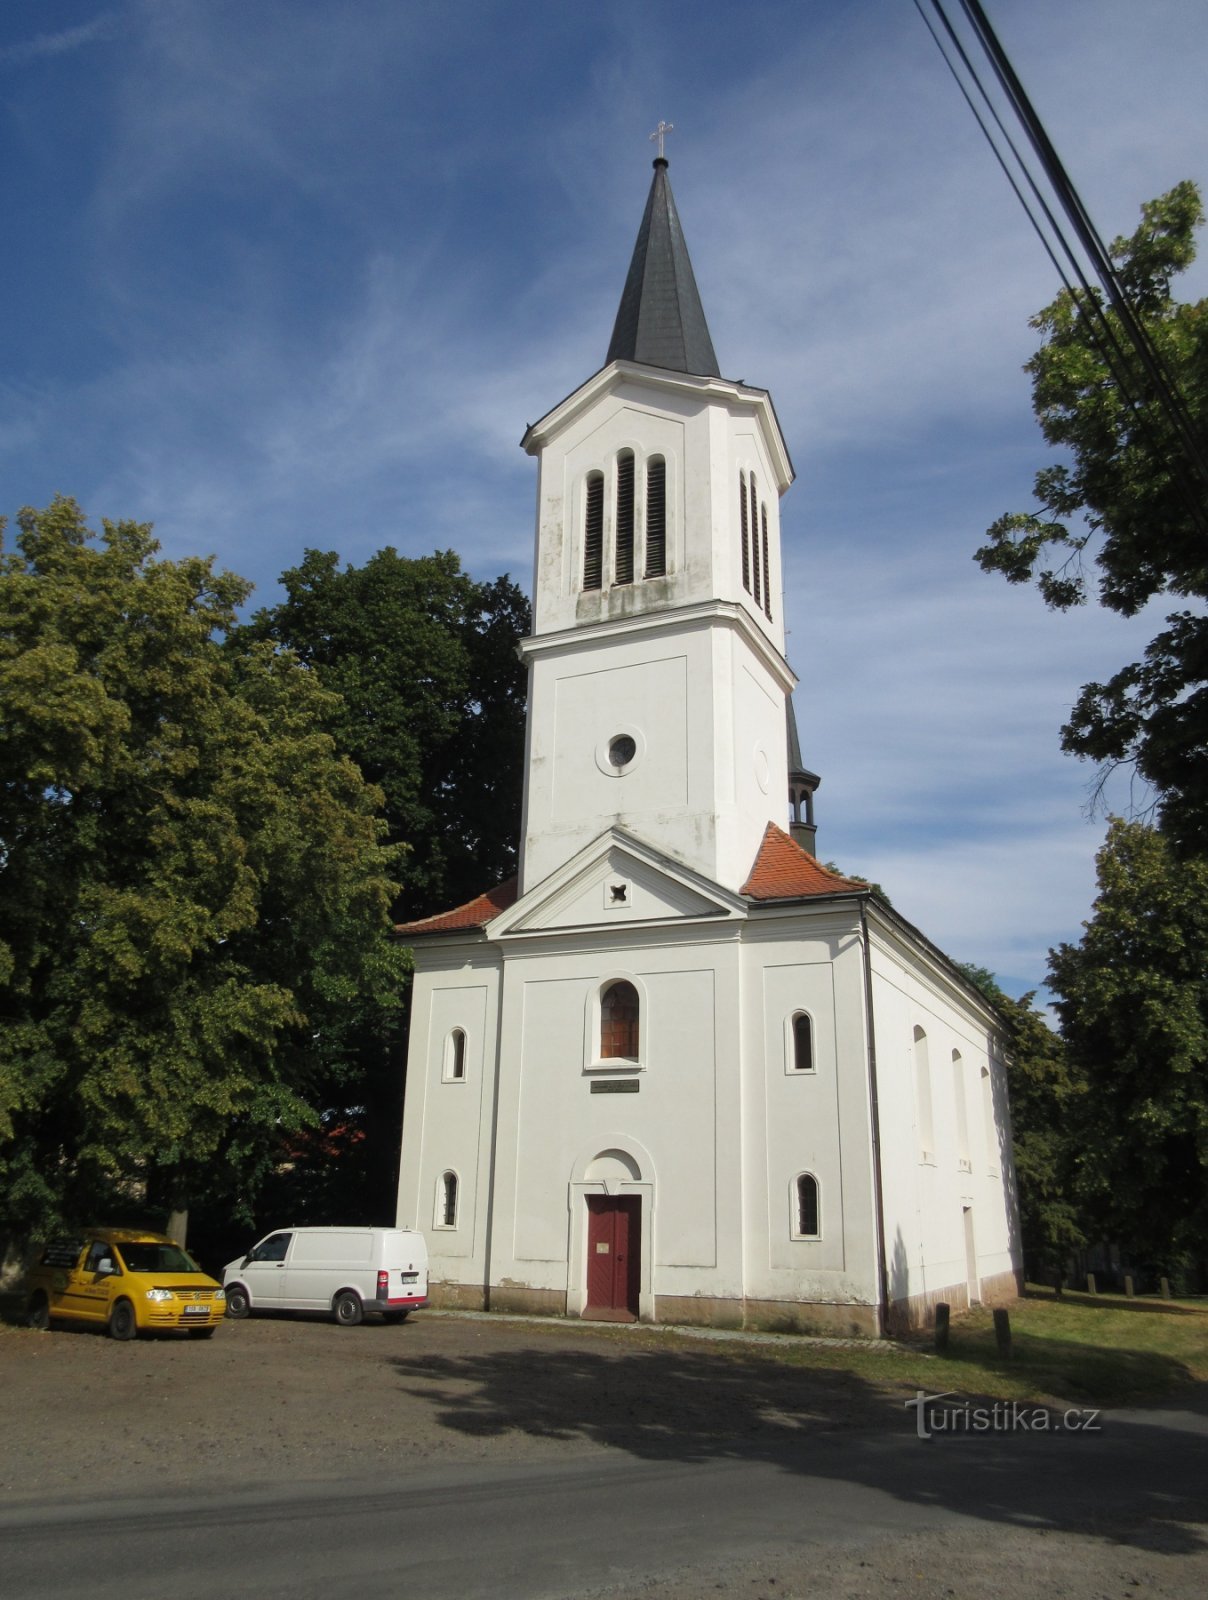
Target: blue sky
291, 273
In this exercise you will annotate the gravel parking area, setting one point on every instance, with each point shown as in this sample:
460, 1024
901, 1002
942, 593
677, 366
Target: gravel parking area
281, 1401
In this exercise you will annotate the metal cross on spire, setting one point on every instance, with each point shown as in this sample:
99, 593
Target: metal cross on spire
660, 133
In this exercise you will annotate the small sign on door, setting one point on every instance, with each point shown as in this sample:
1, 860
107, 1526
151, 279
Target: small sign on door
601, 1248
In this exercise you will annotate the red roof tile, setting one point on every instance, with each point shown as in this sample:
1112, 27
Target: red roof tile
474, 914
784, 871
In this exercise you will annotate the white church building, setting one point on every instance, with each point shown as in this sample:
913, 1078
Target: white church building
677, 1070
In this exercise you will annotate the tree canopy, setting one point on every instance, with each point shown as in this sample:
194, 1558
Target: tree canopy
1133, 1003
430, 706
194, 884
1125, 500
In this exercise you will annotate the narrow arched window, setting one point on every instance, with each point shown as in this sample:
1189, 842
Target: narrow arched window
656, 517
807, 1218
755, 540
922, 1093
767, 587
624, 557
746, 537
987, 1099
593, 532
803, 1043
962, 1111
448, 1200
455, 1057
619, 1022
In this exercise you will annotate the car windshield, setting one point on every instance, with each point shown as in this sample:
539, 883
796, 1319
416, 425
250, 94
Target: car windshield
153, 1257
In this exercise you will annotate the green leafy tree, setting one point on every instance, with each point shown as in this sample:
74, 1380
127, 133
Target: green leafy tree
1134, 1014
1046, 1089
194, 889
1125, 502
431, 704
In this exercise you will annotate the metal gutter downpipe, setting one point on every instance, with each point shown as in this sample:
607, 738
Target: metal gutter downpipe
875, 1122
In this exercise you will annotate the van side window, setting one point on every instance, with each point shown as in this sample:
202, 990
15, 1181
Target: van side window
273, 1248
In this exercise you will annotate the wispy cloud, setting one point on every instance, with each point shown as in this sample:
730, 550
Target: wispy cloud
106, 25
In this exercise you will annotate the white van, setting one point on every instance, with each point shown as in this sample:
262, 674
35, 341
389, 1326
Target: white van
346, 1271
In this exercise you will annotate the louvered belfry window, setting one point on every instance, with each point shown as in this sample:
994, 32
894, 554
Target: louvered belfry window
624, 561
746, 546
619, 1022
755, 539
767, 587
593, 532
656, 517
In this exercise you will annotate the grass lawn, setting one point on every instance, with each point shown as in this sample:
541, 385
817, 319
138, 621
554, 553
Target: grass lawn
1100, 1350
1081, 1350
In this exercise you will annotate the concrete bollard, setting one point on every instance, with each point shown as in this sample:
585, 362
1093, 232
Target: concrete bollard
1128, 1287
1165, 1288
1002, 1332
942, 1313
1090, 1283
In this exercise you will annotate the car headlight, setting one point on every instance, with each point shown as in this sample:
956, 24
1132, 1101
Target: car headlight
159, 1294
220, 1294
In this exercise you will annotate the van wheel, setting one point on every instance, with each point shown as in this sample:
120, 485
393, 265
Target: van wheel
238, 1305
395, 1316
347, 1309
122, 1324
38, 1314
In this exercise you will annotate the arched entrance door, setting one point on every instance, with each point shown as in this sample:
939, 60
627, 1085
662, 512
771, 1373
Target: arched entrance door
614, 1257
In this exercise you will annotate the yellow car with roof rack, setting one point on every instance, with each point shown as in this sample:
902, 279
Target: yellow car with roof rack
127, 1280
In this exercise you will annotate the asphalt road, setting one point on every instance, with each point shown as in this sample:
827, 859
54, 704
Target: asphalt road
601, 1521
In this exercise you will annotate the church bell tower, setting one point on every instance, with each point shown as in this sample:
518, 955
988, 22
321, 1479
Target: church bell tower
657, 677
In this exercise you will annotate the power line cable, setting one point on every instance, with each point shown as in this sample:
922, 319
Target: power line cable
1187, 465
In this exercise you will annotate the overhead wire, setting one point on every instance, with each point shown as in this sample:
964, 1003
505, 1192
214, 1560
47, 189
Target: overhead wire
1187, 465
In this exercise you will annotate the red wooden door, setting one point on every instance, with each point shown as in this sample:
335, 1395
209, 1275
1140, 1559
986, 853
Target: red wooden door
614, 1259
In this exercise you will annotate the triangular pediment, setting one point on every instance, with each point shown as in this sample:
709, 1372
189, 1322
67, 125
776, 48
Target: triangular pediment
617, 881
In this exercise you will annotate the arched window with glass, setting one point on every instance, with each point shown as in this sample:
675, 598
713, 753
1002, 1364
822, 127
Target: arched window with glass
619, 1022
807, 1210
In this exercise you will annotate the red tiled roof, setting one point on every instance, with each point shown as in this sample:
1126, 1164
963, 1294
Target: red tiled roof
474, 914
784, 871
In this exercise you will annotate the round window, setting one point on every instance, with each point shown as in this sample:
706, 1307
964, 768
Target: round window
622, 750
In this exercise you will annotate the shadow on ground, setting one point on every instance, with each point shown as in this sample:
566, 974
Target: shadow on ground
1138, 1482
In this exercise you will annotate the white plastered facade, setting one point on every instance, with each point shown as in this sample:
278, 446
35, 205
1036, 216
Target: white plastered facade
632, 873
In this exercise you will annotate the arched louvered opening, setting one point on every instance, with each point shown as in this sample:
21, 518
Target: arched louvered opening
619, 1022
656, 517
624, 556
754, 541
767, 587
808, 1216
593, 532
746, 537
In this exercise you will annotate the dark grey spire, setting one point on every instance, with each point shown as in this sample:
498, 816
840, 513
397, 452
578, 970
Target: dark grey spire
802, 784
661, 322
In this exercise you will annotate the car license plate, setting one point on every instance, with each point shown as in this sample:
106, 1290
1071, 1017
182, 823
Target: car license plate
409, 1277
197, 1311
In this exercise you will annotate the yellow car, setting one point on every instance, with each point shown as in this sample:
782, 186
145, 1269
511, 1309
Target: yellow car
127, 1280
